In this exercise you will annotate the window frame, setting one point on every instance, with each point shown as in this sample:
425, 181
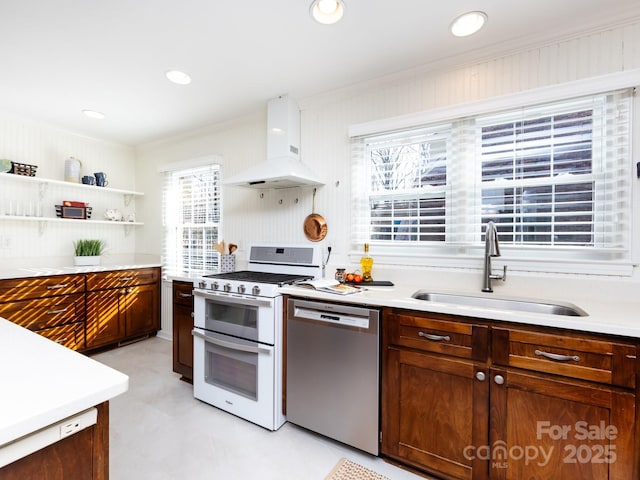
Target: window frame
176, 222
424, 193
531, 258
597, 107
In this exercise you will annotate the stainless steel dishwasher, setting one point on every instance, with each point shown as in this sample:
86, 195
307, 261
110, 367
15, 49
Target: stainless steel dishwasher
333, 371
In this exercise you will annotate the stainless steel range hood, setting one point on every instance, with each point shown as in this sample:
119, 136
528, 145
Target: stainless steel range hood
283, 168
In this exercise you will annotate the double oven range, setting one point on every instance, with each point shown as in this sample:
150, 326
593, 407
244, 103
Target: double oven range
238, 332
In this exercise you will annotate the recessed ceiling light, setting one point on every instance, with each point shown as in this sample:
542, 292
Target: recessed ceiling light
176, 76
327, 11
468, 23
93, 114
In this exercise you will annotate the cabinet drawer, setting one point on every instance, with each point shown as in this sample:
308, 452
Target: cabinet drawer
70, 336
122, 278
39, 287
571, 355
183, 293
433, 333
46, 312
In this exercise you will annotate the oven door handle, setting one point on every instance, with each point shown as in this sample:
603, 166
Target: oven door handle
230, 345
257, 302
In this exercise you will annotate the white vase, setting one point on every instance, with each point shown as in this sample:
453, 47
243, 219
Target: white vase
86, 261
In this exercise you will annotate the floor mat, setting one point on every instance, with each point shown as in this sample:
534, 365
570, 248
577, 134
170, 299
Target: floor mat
348, 470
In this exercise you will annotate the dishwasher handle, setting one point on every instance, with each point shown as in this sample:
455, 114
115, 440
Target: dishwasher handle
331, 317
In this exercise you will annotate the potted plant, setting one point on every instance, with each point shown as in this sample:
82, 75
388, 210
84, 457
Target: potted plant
87, 252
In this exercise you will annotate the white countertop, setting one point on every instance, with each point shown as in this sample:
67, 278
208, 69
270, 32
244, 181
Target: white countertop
44, 266
615, 318
8, 273
43, 382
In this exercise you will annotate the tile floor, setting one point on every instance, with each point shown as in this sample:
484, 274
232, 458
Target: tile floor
158, 431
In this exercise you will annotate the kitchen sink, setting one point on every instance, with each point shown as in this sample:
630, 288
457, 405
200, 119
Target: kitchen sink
502, 304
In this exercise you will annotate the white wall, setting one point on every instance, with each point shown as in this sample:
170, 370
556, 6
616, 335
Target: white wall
326, 119
36, 144
279, 215
325, 147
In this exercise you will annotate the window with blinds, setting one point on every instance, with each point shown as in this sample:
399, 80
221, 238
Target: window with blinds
191, 206
552, 176
408, 178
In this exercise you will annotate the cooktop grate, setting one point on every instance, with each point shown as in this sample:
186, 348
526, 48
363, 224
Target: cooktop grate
261, 277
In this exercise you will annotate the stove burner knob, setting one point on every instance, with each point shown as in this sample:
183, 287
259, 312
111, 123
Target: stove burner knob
242, 289
202, 284
227, 287
255, 290
215, 286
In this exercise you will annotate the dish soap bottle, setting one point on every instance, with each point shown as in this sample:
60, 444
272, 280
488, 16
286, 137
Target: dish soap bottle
366, 263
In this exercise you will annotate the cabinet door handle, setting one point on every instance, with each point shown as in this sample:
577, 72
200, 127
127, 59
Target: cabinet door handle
499, 379
125, 279
434, 338
557, 357
55, 312
55, 287
62, 340
481, 376
184, 295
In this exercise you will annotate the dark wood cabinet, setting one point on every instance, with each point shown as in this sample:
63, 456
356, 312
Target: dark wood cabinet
580, 356
140, 307
105, 323
569, 398
122, 305
84, 455
551, 427
85, 311
433, 405
70, 335
470, 399
182, 327
40, 287
433, 408
51, 306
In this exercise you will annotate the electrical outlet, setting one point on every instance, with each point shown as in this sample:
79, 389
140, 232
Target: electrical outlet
70, 428
79, 422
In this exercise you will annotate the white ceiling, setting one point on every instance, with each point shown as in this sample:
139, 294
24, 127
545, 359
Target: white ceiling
58, 57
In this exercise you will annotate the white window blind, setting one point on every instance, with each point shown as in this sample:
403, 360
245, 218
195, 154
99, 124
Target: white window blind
556, 175
553, 177
408, 177
191, 212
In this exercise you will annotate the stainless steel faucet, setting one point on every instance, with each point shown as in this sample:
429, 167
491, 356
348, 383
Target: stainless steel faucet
491, 249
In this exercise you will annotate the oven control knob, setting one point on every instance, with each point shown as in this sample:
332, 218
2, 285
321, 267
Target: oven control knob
202, 284
227, 287
242, 289
255, 290
214, 286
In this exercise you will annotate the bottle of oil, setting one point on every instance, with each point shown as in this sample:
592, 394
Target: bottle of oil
366, 264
